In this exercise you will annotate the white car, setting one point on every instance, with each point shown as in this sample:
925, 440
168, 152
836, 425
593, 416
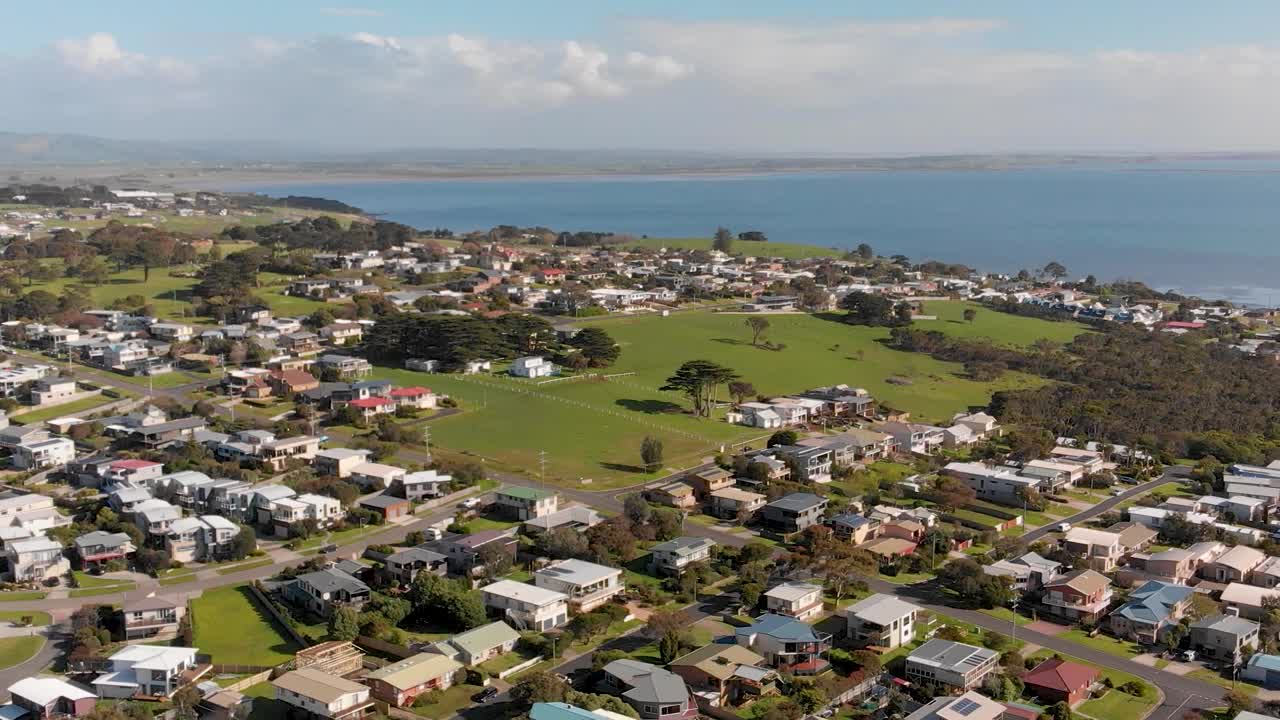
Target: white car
1064, 527
1118, 492
471, 503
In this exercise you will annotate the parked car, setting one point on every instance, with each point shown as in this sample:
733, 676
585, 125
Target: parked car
485, 695
1127, 479
1064, 527
329, 548
471, 503
1118, 492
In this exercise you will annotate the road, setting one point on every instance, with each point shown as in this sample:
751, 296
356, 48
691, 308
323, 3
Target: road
1102, 507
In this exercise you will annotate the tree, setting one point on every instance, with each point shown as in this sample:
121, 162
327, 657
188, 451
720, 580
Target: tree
664, 621
344, 624
866, 309
698, 380
539, 686
1055, 270
651, 453
750, 593
740, 390
669, 647
950, 493
865, 252
783, 437
244, 544
970, 314
723, 240
1239, 701
596, 346
95, 271
186, 702
495, 560
758, 327
636, 509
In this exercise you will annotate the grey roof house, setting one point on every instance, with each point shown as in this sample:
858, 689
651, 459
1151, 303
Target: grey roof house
952, 664
655, 693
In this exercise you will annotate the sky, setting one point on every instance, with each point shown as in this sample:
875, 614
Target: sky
804, 76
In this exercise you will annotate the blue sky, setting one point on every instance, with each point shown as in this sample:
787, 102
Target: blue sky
815, 76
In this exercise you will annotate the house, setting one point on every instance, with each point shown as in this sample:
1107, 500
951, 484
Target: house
151, 616
532, 367
1267, 574
1248, 601
1226, 638
389, 506
527, 607
854, 445
128, 499
287, 383
853, 528
882, 622
1099, 549
404, 565
40, 454
1081, 596
787, 644
655, 693
161, 435
371, 407
34, 559
951, 664
725, 675
1134, 537
423, 484
759, 415
587, 585
913, 437
97, 547
338, 462
157, 671
843, 400
323, 695
732, 503
344, 366
793, 513
376, 476
342, 333
574, 517
45, 698
337, 657
674, 556
521, 503
992, 483
799, 600
173, 332
676, 495
1151, 609
414, 398
51, 390
132, 472
323, 591
969, 706
1234, 565
400, 682
710, 480
1263, 669
483, 643
982, 425
807, 463
203, 538
154, 517
464, 552
1056, 680
1175, 565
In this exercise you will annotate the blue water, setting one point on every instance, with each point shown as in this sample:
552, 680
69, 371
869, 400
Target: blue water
1206, 231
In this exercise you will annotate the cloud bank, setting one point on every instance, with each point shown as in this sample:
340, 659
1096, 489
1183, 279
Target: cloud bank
930, 85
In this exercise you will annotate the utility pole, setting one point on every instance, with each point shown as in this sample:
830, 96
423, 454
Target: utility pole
426, 437
542, 464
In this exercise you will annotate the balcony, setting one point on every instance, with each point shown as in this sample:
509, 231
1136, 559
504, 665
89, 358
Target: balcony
1058, 600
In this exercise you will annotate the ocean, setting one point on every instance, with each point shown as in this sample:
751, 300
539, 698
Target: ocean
1209, 229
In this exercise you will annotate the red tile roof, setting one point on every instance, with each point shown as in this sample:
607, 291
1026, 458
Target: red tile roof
414, 391
373, 402
1061, 675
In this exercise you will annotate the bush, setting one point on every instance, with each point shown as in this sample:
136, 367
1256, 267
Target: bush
1134, 688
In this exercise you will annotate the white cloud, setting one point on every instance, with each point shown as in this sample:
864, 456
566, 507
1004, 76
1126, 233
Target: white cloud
660, 68
96, 53
585, 68
351, 12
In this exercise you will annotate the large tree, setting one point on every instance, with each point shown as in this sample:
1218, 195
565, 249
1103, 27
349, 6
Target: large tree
698, 380
596, 346
758, 327
651, 453
723, 240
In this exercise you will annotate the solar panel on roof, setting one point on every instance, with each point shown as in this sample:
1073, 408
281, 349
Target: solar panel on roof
965, 706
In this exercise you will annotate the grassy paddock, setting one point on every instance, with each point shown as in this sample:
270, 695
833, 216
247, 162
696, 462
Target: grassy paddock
256, 640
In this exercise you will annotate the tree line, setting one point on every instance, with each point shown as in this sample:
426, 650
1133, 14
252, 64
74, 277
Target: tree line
455, 340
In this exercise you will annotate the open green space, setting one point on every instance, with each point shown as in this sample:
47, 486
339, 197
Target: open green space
81, 406
999, 327
17, 650
256, 640
106, 590
1103, 642
241, 567
85, 580
1004, 613
21, 595
478, 524
443, 704
177, 579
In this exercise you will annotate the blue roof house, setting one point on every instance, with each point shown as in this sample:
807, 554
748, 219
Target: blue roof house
786, 643
1152, 608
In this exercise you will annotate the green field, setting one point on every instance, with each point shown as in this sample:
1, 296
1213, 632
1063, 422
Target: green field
16, 616
82, 406
592, 428
17, 650
757, 249
256, 639
1002, 328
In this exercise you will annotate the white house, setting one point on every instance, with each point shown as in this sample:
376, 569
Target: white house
531, 367
51, 390
527, 606
588, 585
881, 621
39, 454
153, 670
35, 558
320, 694
799, 600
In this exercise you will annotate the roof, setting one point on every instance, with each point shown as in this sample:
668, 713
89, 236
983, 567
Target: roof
1058, 674
951, 655
524, 592
1267, 662
683, 545
780, 627
45, 690
525, 493
1089, 536
1242, 558
378, 470
414, 391
331, 580
130, 464
708, 659
880, 609
101, 537
797, 501
415, 670
736, 495
474, 642
1085, 582
1153, 601
383, 501
792, 591
649, 684
577, 572
969, 706
371, 402
321, 686
1227, 623
153, 657
1247, 595
151, 603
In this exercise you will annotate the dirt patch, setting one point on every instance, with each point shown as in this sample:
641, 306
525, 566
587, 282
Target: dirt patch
1044, 627
1145, 659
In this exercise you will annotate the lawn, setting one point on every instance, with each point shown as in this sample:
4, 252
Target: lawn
107, 590
1002, 328
169, 296
1103, 642
448, 702
478, 524
15, 616
591, 429
1007, 615
17, 650
982, 519
178, 579
240, 567
81, 406
1114, 704
21, 596
85, 580
256, 640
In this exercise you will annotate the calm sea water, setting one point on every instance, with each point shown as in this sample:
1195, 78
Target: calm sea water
1213, 231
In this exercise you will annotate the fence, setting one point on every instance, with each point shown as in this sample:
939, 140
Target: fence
382, 646
446, 499
247, 682
282, 621
518, 668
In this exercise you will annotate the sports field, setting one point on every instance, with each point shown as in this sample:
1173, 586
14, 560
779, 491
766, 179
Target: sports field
592, 428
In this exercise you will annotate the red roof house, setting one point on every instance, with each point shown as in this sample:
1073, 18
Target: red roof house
1057, 680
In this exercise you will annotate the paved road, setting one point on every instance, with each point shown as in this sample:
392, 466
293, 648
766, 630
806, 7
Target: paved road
1102, 507
57, 645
